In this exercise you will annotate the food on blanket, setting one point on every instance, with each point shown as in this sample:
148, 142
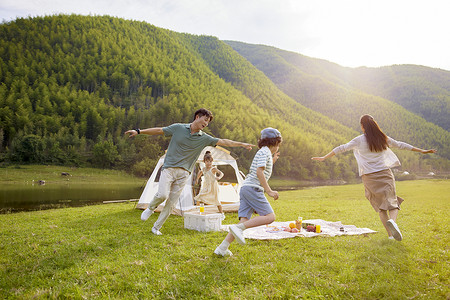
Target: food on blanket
291, 225
291, 230
318, 229
311, 228
314, 228
274, 229
305, 225
298, 223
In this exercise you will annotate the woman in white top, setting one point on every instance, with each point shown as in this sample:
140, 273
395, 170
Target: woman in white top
374, 160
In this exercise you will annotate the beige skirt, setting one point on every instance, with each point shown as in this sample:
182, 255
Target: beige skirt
380, 190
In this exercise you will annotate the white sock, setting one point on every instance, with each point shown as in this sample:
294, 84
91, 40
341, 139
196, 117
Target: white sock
241, 226
224, 245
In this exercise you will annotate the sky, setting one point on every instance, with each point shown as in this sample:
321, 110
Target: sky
351, 33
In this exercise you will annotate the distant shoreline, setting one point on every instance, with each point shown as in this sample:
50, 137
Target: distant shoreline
12, 174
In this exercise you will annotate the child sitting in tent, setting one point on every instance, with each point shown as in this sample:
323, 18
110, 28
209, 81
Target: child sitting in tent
209, 193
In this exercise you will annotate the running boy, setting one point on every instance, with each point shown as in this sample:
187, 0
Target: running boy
252, 197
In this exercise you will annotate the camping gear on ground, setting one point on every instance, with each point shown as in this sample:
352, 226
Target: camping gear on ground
201, 222
228, 192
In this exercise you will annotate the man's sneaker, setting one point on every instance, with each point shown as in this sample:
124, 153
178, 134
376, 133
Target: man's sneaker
156, 231
222, 217
394, 230
146, 214
221, 252
238, 234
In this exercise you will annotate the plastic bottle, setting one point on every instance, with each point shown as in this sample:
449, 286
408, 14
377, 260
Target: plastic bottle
202, 208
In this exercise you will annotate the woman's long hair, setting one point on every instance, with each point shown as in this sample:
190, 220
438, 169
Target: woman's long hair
376, 138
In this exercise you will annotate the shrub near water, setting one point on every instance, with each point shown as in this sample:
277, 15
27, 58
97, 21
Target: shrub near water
106, 251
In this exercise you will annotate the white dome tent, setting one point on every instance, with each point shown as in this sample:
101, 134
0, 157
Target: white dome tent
228, 192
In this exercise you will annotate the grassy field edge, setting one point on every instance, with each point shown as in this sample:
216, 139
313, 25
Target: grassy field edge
106, 251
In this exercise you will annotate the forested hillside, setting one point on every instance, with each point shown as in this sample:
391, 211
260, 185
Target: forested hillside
72, 85
308, 128
338, 93
421, 90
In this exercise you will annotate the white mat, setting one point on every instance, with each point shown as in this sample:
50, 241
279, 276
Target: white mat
274, 231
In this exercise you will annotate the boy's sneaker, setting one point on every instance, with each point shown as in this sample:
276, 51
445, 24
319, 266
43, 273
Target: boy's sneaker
221, 252
146, 214
238, 234
394, 230
156, 231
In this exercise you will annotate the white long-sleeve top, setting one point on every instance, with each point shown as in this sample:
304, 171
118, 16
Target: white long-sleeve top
370, 162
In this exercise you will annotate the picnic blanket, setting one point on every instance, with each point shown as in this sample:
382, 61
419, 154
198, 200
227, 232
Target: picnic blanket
274, 231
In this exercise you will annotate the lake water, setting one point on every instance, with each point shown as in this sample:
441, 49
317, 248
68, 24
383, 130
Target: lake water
26, 197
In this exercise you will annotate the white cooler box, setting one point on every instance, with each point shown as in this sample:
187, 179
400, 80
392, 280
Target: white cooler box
196, 221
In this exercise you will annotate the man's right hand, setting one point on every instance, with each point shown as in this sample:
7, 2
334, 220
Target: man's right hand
132, 133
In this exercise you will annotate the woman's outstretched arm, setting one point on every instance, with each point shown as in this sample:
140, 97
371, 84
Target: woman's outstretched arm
322, 158
423, 151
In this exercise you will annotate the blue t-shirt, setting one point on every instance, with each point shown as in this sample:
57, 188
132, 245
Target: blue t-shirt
184, 147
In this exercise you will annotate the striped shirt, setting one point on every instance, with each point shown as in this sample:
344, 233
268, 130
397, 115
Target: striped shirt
263, 158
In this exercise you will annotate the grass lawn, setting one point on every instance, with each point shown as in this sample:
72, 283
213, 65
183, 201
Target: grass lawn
106, 251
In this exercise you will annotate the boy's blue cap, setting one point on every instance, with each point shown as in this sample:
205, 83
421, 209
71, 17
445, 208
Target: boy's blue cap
269, 133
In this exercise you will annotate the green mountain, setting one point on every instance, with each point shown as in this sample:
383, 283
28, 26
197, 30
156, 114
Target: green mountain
344, 94
421, 90
70, 86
